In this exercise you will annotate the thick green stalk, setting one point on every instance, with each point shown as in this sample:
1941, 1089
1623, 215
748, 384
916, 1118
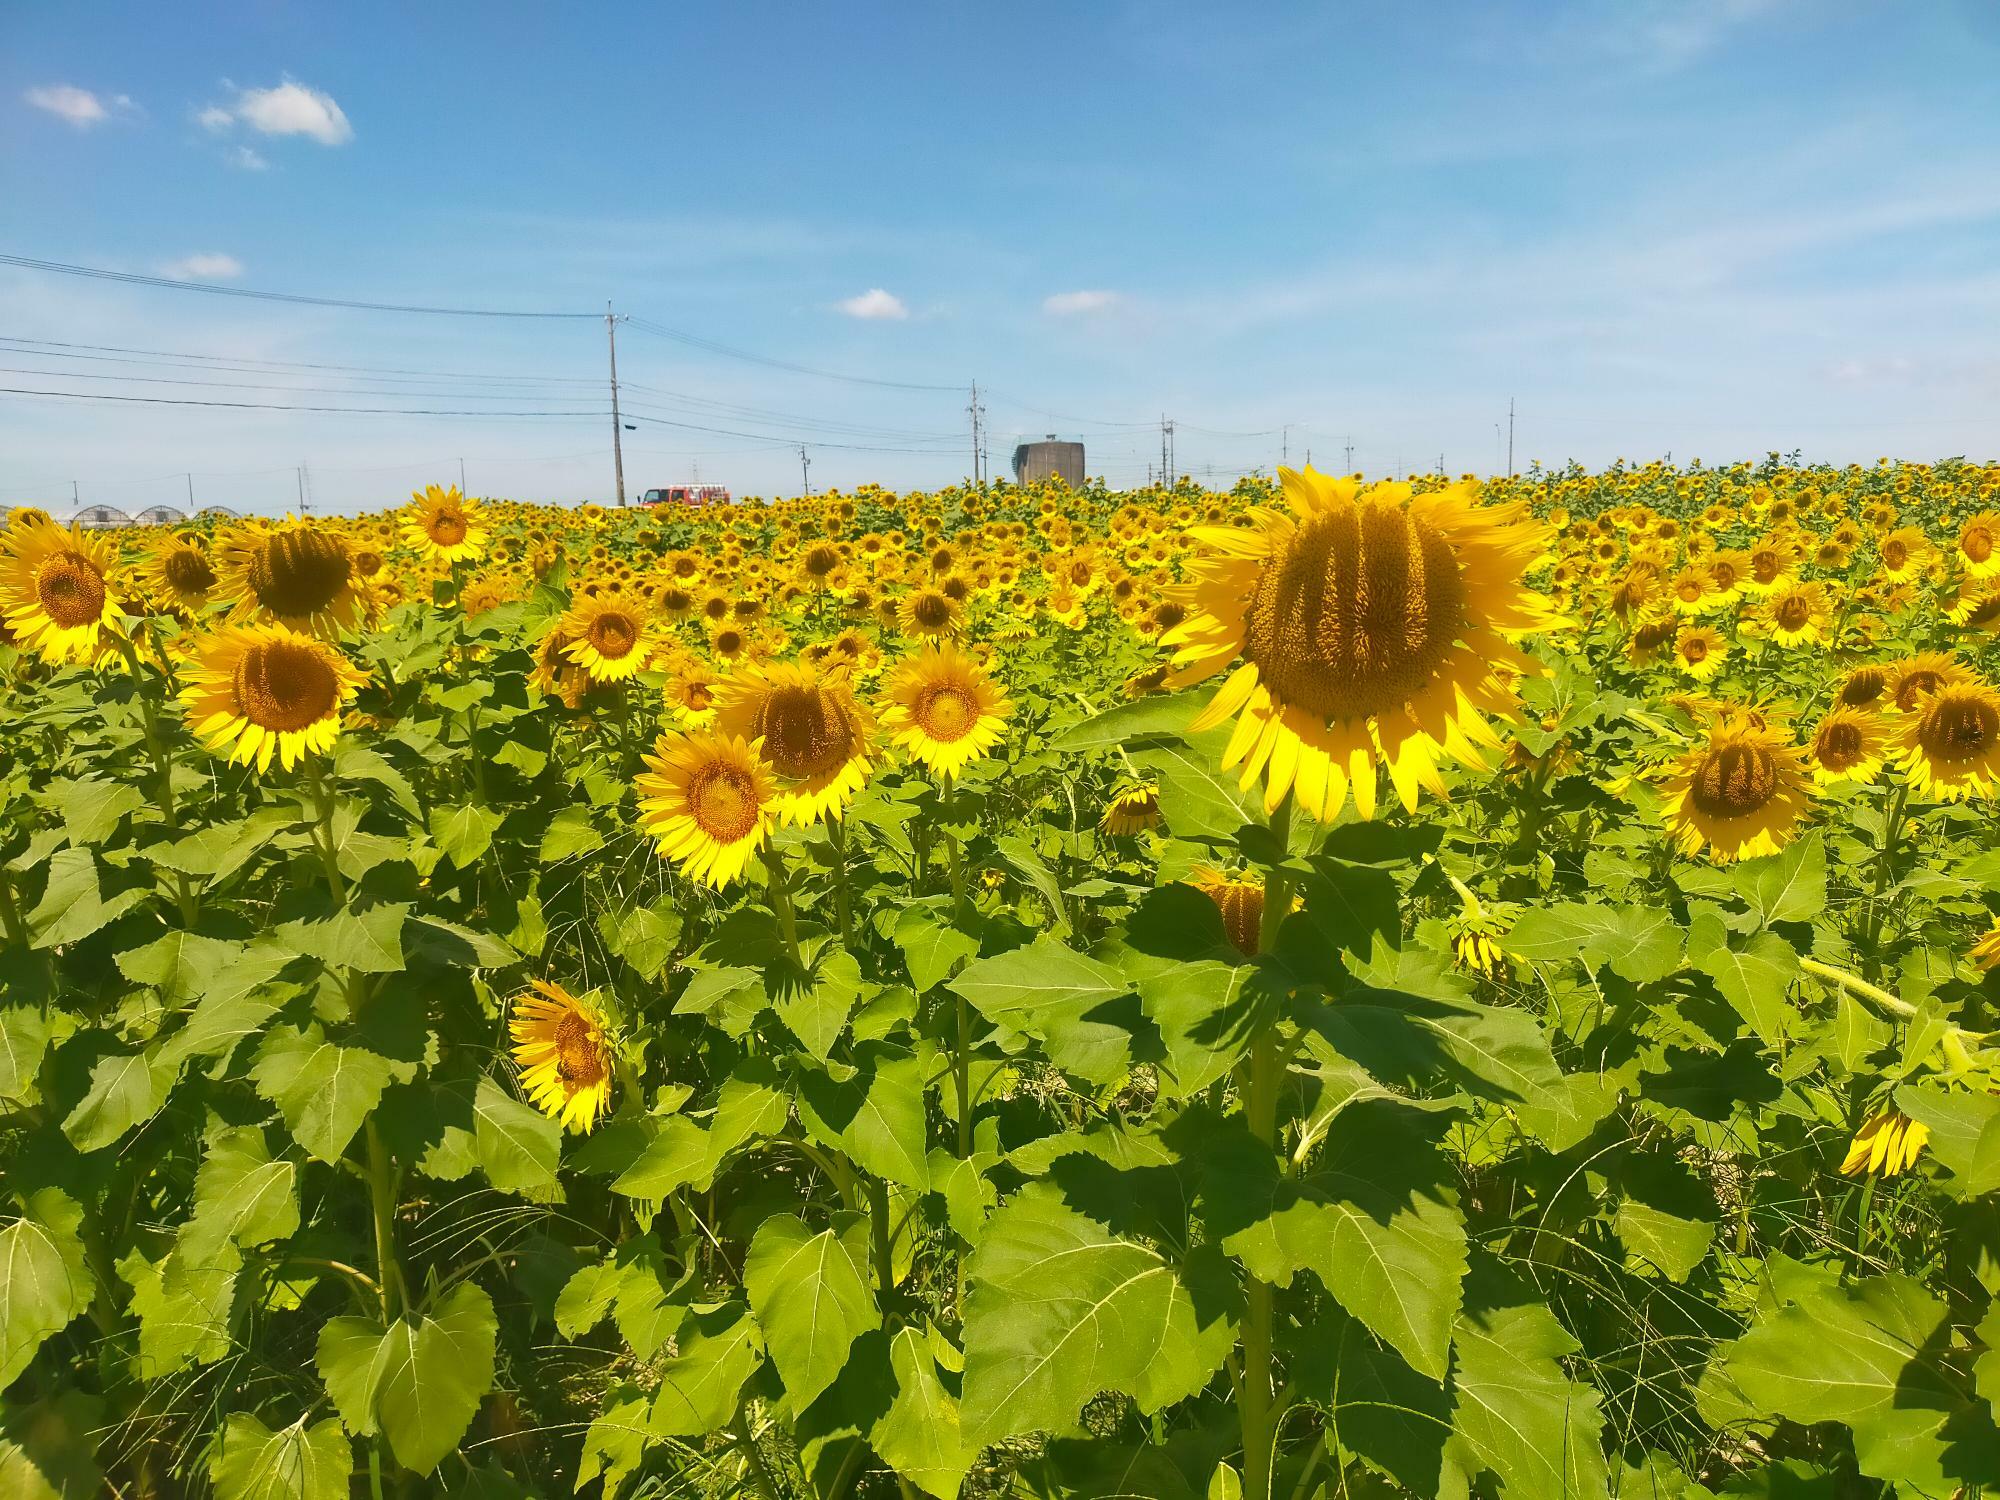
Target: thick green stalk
885, 1263
382, 1202
843, 906
781, 904
329, 850
961, 1060
760, 1473
1892, 828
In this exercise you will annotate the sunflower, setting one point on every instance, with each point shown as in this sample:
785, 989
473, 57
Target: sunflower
1700, 650
255, 691
942, 708
1888, 1144
179, 573
1985, 954
59, 592
691, 694
1905, 553
1977, 606
931, 614
560, 1048
1240, 899
444, 526
1979, 544
1950, 744
1862, 687
708, 802
815, 736
1909, 681
1850, 745
292, 574
1133, 809
611, 636
1796, 615
1741, 793
1371, 621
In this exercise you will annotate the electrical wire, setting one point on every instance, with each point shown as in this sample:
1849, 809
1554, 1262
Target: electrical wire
399, 411
710, 346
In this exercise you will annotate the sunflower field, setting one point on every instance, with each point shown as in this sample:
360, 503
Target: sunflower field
1453, 988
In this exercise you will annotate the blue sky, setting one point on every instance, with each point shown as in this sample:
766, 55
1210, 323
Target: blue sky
1708, 228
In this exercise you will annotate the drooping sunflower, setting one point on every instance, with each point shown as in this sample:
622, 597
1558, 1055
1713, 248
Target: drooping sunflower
293, 573
941, 708
444, 526
1909, 681
1850, 744
1740, 794
931, 614
59, 590
255, 691
814, 735
179, 574
708, 802
1132, 810
563, 1054
1372, 622
1887, 1144
1240, 899
1949, 746
611, 635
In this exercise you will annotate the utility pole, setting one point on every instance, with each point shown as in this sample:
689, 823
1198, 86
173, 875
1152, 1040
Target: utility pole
75, 495
1285, 445
617, 424
190, 480
978, 412
461, 476
1510, 437
805, 471
1350, 455
1166, 452
305, 507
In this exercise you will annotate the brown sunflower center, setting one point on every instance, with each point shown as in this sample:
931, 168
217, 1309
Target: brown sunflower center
676, 600
931, 610
188, 571
1765, 564
945, 712
1977, 543
579, 1058
296, 574
728, 642
1647, 636
1169, 613
1986, 612
821, 560
613, 634
1863, 686
1357, 614
806, 730
1694, 649
447, 528
1959, 727
685, 568
1839, 745
1734, 781
1917, 685
1895, 553
1242, 908
285, 685
70, 589
1794, 611
1723, 574
722, 799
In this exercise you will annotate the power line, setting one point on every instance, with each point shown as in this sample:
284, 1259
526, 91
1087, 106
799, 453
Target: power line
399, 411
133, 278
646, 325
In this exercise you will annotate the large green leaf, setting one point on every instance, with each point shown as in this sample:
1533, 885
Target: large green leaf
1789, 886
932, 947
1516, 1413
294, 1463
718, 1350
874, 1113
918, 1436
324, 1090
1045, 990
184, 1308
419, 1381
813, 1294
241, 1194
72, 907
1061, 1309
1638, 943
368, 942
464, 833
124, 1091
1752, 973
43, 1280
518, 1146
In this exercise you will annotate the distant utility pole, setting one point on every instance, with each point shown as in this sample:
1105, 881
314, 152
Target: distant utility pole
617, 424
1350, 455
75, 495
805, 470
461, 476
1285, 446
978, 413
1166, 451
1510, 437
190, 480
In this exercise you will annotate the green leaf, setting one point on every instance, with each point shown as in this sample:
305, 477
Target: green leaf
679, 1155
43, 1280
1639, 943
875, 1116
1753, 975
815, 1006
294, 1463
615, 1444
25, 1034
1661, 1243
1197, 800
918, 1436
517, 1145
124, 1091
91, 808
464, 833
240, 1195
932, 948
1516, 1413
813, 1295
1841, 1354
1060, 1309
454, 946
1044, 990
324, 1090
1021, 854
369, 942
1159, 715
1965, 1131
1789, 886
420, 1381
644, 936
182, 965
183, 1308
718, 1351
71, 908
570, 833
587, 1297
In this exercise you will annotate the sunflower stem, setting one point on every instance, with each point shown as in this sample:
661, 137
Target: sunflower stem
781, 904
843, 906
163, 772
382, 1201
1892, 828
323, 840
1854, 984
885, 1264
760, 1473
1257, 1409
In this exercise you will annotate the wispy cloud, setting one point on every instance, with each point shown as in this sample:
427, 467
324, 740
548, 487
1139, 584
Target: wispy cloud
210, 265
291, 108
246, 160
875, 305
1081, 304
79, 107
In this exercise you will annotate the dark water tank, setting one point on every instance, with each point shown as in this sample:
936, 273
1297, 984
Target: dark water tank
1049, 459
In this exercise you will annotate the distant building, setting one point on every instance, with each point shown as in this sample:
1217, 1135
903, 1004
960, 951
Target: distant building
160, 515
101, 517
1049, 459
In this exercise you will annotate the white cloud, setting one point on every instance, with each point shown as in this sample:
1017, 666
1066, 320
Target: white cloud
243, 158
289, 109
1080, 304
210, 265
66, 101
875, 304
